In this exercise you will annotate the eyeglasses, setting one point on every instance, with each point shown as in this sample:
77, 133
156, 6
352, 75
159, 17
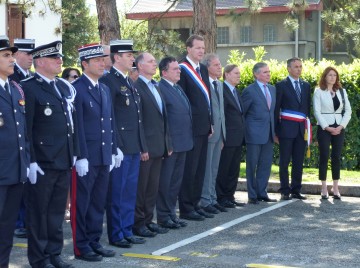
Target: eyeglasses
74, 76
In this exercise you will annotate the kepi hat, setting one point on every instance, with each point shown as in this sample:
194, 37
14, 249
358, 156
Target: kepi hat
91, 51
121, 46
51, 50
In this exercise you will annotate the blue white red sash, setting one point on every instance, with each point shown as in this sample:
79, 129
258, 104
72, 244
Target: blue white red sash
299, 117
197, 79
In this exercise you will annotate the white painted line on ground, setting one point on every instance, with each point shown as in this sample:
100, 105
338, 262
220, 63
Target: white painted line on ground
220, 228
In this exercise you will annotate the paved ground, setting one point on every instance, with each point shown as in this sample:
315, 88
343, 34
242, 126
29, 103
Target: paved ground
311, 233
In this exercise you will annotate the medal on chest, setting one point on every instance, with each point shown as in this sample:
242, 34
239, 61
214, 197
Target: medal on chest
47, 110
1, 120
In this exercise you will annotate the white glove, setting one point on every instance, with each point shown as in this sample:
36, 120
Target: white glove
82, 167
34, 168
74, 160
118, 158
112, 163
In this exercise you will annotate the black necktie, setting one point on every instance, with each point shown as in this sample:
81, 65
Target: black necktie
198, 71
216, 90
181, 94
7, 88
97, 89
234, 91
53, 85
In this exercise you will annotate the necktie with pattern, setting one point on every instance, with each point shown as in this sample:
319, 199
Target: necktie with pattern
267, 96
297, 90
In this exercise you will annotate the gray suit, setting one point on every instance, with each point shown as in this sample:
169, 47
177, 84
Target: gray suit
259, 137
208, 195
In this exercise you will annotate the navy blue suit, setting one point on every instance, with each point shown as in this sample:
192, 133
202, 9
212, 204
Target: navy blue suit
195, 163
97, 144
291, 133
120, 207
14, 160
53, 144
172, 170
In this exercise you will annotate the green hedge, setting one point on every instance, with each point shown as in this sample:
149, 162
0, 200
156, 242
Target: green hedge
350, 79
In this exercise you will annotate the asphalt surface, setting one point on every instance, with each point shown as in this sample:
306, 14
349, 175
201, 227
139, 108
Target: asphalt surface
310, 233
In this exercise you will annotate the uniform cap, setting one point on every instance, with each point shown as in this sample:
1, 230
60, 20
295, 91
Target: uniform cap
26, 45
91, 51
5, 44
51, 50
120, 46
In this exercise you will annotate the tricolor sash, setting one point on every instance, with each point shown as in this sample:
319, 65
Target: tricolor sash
197, 79
299, 117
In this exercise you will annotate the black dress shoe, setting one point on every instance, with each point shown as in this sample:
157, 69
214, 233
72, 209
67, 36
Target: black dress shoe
90, 256
156, 228
253, 201
238, 204
325, 196
337, 196
227, 204
298, 196
169, 224
266, 199
104, 252
144, 232
285, 197
56, 261
211, 209
192, 216
135, 240
204, 213
220, 207
180, 222
121, 243
20, 233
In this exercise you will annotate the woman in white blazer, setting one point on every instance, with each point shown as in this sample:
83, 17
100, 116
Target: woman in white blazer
333, 112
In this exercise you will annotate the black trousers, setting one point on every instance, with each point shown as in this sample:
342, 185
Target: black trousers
10, 198
194, 173
294, 150
325, 139
46, 201
228, 173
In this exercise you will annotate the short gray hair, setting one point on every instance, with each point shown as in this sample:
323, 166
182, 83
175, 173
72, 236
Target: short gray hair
208, 58
258, 66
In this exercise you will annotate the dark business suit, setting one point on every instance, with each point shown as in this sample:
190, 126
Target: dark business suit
291, 133
229, 167
14, 160
120, 207
172, 170
195, 163
53, 144
156, 145
259, 137
97, 144
215, 143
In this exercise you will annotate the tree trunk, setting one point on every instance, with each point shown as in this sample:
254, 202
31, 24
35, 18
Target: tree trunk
204, 22
108, 20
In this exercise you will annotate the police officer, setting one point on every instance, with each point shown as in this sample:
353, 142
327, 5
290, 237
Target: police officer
123, 182
97, 145
14, 158
22, 71
23, 58
53, 145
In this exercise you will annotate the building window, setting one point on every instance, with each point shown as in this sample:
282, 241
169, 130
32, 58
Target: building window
245, 34
223, 35
269, 33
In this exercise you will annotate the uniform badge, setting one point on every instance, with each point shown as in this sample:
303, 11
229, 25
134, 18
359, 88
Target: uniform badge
48, 111
22, 102
123, 89
39, 80
127, 101
1, 121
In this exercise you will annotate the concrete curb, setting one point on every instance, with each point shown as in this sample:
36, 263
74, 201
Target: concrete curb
307, 188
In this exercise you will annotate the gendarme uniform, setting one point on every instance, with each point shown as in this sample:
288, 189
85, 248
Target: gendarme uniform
14, 157
53, 145
123, 180
25, 45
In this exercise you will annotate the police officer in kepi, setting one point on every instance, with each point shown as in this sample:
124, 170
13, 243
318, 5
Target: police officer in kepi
23, 58
22, 71
98, 156
14, 149
120, 207
52, 133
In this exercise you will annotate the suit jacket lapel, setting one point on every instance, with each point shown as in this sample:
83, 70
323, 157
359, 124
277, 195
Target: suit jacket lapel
261, 94
46, 86
149, 93
92, 90
5, 94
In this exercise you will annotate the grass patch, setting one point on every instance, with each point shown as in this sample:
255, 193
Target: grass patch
311, 175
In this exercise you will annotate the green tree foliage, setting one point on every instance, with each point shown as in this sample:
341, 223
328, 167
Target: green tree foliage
78, 28
154, 39
350, 80
343, 20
